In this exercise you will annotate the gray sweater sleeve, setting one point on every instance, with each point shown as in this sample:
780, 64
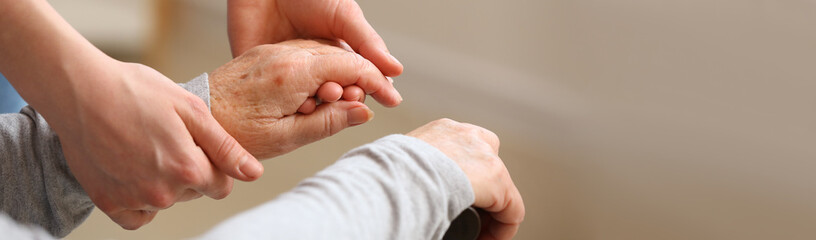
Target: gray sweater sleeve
37, 187
398, 187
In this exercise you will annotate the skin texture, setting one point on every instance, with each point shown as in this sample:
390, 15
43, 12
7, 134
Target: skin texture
131, 184
332, 92
260, 96
252, 22
135, 141
476, 150
256, 22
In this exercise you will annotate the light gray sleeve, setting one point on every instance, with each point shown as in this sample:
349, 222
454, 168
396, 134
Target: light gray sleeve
398, 187
37, 188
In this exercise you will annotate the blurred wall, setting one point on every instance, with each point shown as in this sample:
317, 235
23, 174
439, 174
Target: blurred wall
630, 119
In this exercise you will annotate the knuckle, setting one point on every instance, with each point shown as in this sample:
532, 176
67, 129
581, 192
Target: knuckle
489, 135
223, 191
444, 121
159, 198
226, 153
495, 165
471, 130
189, 176
359, 62
360, 65
197, 107
331, 123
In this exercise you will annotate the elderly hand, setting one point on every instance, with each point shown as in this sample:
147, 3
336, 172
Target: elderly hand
256, 96
476, 150
256, 22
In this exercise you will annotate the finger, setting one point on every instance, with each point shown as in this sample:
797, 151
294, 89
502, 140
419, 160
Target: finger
212, 182
308, 106
330, 92
344, 45
353, 93
221, 148
511, 210
132, 219
352, 27
328, 119
188, 195
506, 221
349, 68
243, 31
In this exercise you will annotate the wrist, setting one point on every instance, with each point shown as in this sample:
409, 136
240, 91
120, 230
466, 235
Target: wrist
216, 100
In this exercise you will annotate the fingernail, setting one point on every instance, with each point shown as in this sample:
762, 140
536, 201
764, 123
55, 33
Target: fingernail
359, 115
399, 96
394, 59
250, 167
390, 80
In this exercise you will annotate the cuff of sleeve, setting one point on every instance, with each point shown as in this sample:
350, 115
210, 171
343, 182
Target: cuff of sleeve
200, 86
451, 175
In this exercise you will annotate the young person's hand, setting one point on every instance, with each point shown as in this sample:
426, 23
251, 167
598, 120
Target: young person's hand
134, 140
256, 22
138, 143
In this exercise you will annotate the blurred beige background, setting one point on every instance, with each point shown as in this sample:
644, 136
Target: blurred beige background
631, 119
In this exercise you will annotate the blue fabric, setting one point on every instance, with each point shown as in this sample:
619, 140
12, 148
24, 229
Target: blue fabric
10, 101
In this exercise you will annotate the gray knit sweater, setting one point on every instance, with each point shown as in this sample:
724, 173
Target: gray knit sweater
398, 187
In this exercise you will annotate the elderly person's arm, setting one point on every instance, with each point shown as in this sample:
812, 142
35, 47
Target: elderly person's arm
255, 97
399, 187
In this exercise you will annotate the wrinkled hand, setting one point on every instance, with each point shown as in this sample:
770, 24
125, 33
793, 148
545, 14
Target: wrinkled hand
476, 150
138, 143
256, 22
257, 96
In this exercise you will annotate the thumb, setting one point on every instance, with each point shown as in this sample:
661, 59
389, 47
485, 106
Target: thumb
328, 119
221, 148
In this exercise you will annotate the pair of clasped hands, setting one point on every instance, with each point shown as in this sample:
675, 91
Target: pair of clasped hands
155, 144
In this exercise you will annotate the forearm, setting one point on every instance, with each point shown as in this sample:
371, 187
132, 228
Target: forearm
395, 188
45, 59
